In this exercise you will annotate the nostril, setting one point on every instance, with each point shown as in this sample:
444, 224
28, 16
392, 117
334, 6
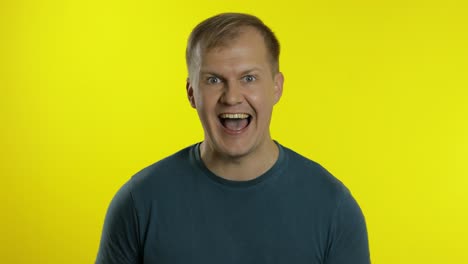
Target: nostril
231, 96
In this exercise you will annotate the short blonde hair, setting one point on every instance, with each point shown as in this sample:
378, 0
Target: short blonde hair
217, 30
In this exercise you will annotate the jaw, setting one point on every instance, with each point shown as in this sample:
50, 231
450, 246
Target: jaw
237, 157
227, 144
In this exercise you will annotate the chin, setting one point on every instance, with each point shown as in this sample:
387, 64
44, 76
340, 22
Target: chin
236, 150
236, 154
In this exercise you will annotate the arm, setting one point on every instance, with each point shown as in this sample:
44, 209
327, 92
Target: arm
119, 240
348, 237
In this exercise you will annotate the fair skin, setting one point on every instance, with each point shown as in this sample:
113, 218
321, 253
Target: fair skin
234, 92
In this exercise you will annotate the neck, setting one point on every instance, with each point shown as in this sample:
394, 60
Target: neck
244, 168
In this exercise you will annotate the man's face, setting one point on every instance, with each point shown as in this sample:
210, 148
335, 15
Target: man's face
234, 95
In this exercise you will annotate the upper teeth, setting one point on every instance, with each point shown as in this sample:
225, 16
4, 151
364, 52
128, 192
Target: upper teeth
234, 116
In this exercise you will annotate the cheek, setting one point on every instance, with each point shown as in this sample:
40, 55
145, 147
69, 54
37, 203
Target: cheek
206, 102
200, 98
262, 101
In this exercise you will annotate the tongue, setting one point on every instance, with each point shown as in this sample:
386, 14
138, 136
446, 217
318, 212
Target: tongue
235, 124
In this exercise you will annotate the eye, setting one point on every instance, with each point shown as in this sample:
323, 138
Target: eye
213, 80
249, 78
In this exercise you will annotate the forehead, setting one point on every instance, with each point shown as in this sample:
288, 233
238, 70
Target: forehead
246, 50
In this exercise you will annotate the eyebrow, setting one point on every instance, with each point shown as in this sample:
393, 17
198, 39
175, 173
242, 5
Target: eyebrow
254, 69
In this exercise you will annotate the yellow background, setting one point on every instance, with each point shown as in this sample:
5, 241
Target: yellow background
93, 91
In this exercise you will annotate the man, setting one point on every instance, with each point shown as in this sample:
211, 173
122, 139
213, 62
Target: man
238, 196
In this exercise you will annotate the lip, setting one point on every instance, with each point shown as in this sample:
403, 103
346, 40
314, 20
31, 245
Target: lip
233, 113
235, 132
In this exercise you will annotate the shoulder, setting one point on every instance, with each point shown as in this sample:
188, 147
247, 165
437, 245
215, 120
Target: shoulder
157, 177
327, 194
313, 178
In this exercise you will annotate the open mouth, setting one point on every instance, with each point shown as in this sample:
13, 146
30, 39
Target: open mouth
235, 121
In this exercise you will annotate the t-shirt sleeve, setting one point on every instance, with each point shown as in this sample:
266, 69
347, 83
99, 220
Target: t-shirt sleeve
349, 242
119, 240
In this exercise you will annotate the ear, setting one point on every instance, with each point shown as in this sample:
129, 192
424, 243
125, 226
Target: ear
189, 88
278, 89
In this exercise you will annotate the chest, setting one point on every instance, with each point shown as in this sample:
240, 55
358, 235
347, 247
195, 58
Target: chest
225, 230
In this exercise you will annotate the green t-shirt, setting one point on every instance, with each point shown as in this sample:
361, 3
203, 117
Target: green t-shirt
176, 211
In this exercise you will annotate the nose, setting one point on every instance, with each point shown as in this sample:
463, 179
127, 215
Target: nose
232, 94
